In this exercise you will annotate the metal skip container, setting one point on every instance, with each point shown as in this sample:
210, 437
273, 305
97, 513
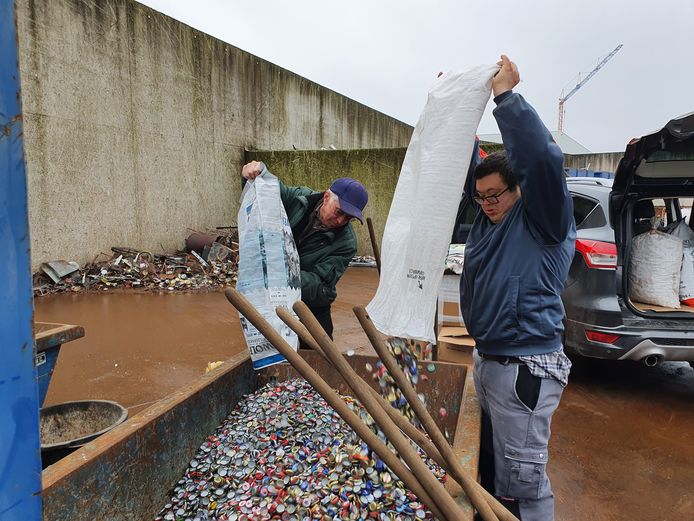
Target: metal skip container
129, 472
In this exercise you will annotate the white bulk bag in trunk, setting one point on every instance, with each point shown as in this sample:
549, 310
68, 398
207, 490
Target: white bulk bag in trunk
654, 269
269, 271
682, 231
423, 212
687, 276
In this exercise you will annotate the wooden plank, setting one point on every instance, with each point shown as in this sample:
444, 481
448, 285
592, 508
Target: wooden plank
660, 309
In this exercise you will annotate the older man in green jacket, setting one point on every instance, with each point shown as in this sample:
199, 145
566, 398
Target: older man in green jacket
324, 237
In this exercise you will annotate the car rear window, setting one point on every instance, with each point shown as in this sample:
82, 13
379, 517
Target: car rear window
583, 208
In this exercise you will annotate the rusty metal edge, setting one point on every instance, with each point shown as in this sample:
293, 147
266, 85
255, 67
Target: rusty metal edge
94, 449
61, 334
468, 431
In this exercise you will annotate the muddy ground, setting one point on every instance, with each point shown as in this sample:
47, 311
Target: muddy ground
623, 436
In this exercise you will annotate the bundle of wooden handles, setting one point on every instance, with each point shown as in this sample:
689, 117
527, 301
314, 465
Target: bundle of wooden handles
413, 472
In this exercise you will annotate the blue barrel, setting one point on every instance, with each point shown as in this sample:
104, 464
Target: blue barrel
48, 338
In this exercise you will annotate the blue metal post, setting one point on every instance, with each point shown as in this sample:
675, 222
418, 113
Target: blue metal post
20, 456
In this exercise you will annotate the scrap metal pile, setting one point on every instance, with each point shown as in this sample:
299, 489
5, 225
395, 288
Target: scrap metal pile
363, 260
285, 454
209, 260
210, 265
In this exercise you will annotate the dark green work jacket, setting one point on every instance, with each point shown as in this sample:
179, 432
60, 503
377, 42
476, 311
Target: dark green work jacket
324, 255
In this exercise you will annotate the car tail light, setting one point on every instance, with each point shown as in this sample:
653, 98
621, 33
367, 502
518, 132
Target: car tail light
605, 338
597, 254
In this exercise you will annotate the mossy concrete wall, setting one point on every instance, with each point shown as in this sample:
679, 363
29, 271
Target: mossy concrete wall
136, 125
376, 169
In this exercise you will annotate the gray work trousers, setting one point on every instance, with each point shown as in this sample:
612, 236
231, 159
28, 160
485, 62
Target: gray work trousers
519, 435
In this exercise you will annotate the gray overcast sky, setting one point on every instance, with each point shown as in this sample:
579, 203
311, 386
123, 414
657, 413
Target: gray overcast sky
385, 53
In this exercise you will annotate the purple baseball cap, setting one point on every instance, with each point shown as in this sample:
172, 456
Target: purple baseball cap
352, 195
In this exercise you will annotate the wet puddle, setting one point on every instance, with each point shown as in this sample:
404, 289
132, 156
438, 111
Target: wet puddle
138, 347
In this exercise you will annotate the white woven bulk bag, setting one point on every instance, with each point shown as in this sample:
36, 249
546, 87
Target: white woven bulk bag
682, 231
687, 276
422, 215
654, 269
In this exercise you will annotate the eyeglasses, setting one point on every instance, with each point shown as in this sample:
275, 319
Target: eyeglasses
491, 199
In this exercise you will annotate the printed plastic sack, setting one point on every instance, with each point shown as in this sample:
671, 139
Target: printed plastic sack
269, 271
455, 258
654, 269
681, 230
423, 212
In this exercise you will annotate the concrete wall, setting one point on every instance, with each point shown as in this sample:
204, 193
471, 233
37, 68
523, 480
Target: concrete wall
601, 162
376, 169
136, 125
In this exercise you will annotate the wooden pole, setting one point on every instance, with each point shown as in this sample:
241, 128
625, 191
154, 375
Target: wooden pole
374, 244
439, 494
487, 505
403, 424
328, 393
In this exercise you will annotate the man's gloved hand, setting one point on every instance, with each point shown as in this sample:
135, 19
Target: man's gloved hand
252, 170
506, 78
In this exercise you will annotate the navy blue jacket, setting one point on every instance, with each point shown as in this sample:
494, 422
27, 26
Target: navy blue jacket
514, 271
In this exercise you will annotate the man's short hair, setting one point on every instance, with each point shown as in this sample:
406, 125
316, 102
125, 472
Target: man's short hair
497, 162
333, 196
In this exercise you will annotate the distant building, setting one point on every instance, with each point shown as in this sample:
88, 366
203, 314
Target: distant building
567, 144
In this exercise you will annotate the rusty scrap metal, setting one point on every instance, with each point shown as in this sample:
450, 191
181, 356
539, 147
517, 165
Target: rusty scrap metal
58, 269
363, 260
130, 268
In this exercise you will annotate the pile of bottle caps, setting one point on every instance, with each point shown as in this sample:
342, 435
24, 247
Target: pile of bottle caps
284, 453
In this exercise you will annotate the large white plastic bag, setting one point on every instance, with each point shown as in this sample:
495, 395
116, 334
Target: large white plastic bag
423, 212
681, 230
654, 269
687, 274
269, 270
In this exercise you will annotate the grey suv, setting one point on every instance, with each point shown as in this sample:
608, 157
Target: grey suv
600, 322
654, 176
656, 172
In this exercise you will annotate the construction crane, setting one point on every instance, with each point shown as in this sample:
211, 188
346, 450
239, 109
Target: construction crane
580, 84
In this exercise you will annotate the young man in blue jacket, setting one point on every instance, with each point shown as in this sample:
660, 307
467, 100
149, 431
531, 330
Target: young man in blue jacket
517, 257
